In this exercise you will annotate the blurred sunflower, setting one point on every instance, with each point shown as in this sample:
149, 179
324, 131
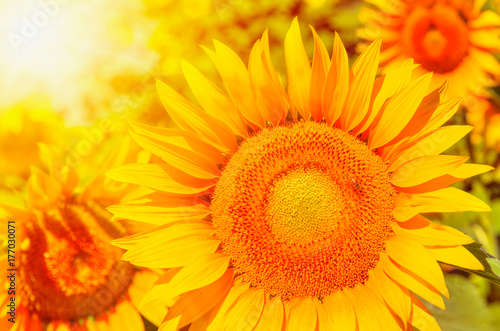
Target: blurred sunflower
240, 23
27, 123
68, 274
455, 39
300, 208
484, 115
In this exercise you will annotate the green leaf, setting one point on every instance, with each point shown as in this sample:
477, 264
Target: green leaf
466, 310
491, 265
495, 265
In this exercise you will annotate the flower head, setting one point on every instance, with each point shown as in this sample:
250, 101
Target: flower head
67, 274
456, 40
300, 208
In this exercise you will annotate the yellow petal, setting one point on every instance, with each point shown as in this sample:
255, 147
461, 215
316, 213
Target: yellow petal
361, 78
341, 312
410, 281
237, 81
320, 66
385, 87
324, 318
142, 282
230, 299
175, 253
394, 296
468, 170
425, 168
161, 177
411, 255
421, 317
485, 39
166, 233
188, 117
199, 273
431, 111
336, 83
371, 313
432, 234
42, 190
195, 304
458, 256
213, 100
161, 211
194, 163
398, 111
445, 200
269, 93
125, 317
487, 19
298, 72
301, 315
182, 138
272, 316
245, 312
171, 325
441, 115
433, 144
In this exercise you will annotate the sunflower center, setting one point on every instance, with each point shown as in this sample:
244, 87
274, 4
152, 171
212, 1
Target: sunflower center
303, 204
437, 37
69, 268
303, 210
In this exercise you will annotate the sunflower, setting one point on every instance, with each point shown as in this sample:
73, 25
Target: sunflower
300, 209
28, 123
456, 40
240, 22
484, 115
58, 264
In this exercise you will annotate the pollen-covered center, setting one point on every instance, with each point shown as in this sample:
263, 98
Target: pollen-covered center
437, 37
303, 204
303, 210
69, 270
